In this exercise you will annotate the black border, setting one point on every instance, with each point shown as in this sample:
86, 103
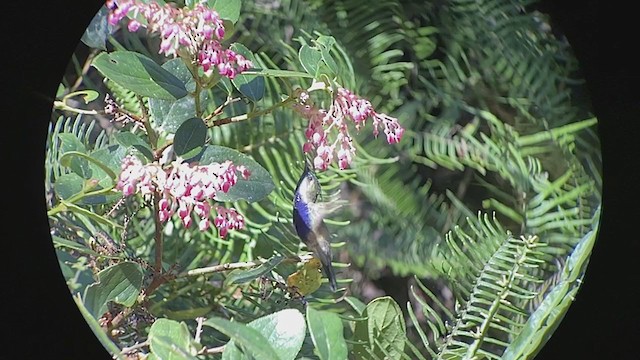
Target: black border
39, 38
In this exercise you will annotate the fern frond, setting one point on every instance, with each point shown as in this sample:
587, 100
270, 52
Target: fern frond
85, 131
483, 327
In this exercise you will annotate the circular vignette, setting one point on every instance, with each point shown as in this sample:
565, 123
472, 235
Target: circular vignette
589, 272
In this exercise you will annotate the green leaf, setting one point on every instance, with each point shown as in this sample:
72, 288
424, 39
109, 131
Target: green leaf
88, 213
110, 157
178, 68
168, 115
131, 140
87, 95
386, 327
279, 73
58, 241
139, 74
227, 9
385, 330
190, 138
361, 337
332, 66
120, 283
257, 187
284, 331
169, 339
225, 85
69, 143
95, 36
327, 334
326, 43
548, 315
311, 59
356, 304
240, 276
251, 341
68, 185
251, 86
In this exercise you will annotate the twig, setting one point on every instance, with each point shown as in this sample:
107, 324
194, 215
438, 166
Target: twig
229, 120
200, 321
131, 348
239, 265
219, 109
158, 236
157, 154
213, 350
115, 322
205, 350
157, 280
250, 115
223, 267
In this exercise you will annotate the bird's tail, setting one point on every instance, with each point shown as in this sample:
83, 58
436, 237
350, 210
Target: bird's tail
328, 270
324, 254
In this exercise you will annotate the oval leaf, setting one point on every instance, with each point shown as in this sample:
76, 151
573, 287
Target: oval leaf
168, 115
111, 158
257, 187
251, 86
310, 59
131, 140
178, 69
387, 332
332, 66
227, 9
78, 165
284, 331
327, 334
244, 276
190, 138
249, 339
121, 283
68, 185
170, 339
140, 74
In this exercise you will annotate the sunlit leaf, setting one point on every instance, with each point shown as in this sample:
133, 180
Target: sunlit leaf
251, 340
169, 339
120, 283
139, 74
327, 334
283, 331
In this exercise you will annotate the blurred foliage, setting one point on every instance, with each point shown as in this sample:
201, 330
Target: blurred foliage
493, 195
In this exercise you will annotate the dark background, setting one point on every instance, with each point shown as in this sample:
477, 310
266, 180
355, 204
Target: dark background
43, 321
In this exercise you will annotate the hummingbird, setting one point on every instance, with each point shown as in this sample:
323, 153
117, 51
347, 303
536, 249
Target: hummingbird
309, 212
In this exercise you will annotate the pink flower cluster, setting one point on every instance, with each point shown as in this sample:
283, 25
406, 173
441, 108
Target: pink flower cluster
185, 188
345, 106
196, 32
